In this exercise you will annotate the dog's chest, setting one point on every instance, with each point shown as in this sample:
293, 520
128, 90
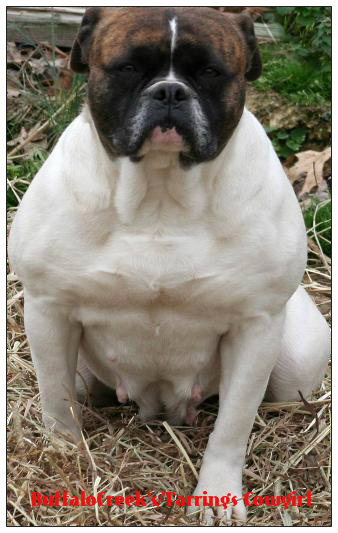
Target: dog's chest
170, 270
155, 297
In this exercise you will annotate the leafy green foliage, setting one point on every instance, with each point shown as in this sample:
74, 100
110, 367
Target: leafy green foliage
299, 80
300, 68
310, 26
287, 142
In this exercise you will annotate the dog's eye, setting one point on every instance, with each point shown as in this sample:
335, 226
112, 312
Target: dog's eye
209, 72
128, 68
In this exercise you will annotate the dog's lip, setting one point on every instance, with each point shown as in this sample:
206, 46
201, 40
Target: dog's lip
164, 136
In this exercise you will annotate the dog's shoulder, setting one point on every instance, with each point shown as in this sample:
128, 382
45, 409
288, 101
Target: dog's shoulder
75, 170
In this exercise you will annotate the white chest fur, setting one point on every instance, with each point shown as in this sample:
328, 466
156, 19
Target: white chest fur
151, 311
157, 262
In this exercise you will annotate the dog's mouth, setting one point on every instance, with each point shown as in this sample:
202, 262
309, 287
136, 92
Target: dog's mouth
181, 135
166, 138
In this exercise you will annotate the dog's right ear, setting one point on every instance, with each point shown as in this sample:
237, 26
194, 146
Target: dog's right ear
254, 62
79, 58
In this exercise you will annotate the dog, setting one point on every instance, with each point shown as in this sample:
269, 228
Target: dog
161, 246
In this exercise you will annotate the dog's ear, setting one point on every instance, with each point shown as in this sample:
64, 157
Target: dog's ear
254, 62
79, 58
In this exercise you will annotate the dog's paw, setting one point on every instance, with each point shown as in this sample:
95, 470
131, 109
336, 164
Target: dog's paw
218, 516
225, 505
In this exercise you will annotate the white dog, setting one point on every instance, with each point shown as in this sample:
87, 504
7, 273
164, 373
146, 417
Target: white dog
161, 245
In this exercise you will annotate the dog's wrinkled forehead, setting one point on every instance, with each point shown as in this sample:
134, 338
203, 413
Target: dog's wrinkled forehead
169, 30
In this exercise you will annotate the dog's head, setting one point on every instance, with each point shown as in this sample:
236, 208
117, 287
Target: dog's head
170, 79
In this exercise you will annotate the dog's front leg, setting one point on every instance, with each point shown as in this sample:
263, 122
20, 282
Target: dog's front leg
54, 342
248, 354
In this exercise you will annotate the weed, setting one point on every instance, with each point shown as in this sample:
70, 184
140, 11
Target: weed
317, 219
287, 142
298, 79
73, 100
41, 107
20, 176
300, 69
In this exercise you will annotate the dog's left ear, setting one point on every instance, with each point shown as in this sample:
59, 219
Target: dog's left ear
79, 58
254, 62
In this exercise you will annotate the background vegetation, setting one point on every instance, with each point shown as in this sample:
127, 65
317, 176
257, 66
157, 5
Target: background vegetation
300, 69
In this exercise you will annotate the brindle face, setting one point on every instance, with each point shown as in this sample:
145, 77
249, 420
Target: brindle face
174, 77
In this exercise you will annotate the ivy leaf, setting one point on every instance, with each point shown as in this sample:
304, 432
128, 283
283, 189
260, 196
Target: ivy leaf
298, 135
293, 145
282, 135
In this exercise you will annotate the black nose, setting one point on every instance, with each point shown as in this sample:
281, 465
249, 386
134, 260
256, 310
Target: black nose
169, 93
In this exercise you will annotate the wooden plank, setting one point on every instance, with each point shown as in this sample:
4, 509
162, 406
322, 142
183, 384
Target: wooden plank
269, 32
59, 25
74, 10
29, 26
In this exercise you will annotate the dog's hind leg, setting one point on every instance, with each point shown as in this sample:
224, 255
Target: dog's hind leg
306, 348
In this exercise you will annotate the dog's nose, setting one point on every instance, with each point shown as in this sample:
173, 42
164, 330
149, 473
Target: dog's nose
169, 93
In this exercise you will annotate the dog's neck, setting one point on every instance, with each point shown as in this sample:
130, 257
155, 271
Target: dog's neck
155, 181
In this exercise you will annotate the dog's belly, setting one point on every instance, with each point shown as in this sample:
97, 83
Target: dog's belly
138, 347
154, 314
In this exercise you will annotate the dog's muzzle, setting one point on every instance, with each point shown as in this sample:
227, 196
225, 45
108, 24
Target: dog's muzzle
169, 115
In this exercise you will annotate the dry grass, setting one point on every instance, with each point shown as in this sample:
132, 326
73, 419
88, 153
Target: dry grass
289, 447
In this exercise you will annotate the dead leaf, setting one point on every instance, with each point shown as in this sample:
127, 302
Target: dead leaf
14, 85
12, 90
34, 148
309, 167
59, 63
66, 77
19, 138
14, 56
323, 191
38, 66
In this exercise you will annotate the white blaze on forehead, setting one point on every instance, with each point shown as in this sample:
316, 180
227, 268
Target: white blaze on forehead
173, 31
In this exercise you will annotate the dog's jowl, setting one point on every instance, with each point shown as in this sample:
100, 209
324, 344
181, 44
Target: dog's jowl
161, 246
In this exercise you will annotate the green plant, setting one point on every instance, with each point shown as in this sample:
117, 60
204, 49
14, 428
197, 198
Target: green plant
300, 81
300, 67
287, 142
70, 102
59, 110
309, 31
317, 219
311, 26
20, 176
